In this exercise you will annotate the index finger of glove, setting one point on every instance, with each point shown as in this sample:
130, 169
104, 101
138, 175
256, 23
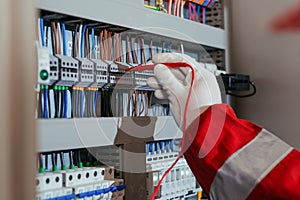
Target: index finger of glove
175, 57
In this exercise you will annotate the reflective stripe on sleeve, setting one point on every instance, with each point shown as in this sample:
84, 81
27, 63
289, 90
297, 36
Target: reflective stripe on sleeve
244, 169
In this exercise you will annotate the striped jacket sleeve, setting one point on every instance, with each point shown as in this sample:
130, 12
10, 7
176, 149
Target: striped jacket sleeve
234, 159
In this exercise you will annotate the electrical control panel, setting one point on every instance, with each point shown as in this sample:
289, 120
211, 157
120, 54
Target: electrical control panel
87, 79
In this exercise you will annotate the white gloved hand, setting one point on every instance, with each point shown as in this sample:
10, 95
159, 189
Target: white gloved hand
173, 84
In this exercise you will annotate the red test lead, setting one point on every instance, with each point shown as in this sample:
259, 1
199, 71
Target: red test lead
141, 68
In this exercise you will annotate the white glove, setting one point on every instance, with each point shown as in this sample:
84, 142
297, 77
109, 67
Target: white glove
173, 84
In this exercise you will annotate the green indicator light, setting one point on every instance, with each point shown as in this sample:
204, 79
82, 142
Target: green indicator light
64, 167
87, 164
72, 167
44, 74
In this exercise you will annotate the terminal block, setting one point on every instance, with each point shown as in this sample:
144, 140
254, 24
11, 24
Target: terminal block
118, 74
68, 68
141, 77
54, 70
86, 72
100, 73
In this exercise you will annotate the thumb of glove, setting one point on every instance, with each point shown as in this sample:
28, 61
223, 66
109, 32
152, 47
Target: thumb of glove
174, 89
167, 80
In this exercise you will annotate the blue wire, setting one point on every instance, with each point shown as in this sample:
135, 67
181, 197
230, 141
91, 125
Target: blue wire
205, 3
42, 32
172, 146
93, 42
63, 28
95, 100
162, 146
82, 41
46, 103
157, 147
151, 149
65, 103
167, 146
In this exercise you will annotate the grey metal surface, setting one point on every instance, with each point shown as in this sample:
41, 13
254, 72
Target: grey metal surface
166, 128
133, 15
63, 134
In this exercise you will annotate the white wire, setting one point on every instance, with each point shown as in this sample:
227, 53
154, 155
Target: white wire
182, 6
52, 106
79, 39
69, 103
60, 38
182, 48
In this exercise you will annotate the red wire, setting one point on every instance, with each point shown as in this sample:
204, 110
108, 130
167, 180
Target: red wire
140, 68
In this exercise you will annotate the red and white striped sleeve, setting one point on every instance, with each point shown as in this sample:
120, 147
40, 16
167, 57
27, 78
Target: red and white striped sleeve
236, 159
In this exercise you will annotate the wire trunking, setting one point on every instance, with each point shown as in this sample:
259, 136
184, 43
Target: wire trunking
86, 100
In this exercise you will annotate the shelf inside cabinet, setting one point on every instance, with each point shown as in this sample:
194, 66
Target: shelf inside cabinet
134, 16
64, 134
